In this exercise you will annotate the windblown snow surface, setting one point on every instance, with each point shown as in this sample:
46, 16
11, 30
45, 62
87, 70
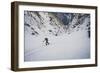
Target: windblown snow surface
68, 36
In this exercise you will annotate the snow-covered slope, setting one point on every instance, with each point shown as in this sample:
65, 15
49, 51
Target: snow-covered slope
68, 36
55, 23
43, 23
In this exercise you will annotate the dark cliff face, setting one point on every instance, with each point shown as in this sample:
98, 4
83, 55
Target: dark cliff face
37, 23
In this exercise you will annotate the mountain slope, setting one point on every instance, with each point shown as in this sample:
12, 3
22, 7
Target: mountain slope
68, 35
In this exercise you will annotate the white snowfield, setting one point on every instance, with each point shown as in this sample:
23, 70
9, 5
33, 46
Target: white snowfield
73, 45
60, 47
